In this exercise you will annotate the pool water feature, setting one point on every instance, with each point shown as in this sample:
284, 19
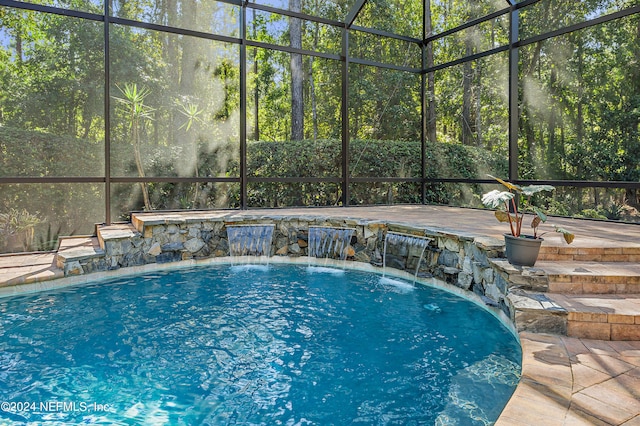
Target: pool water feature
240, 345
250, 240
329, 242
409, 242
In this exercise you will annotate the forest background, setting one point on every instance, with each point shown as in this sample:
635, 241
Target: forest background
202, 92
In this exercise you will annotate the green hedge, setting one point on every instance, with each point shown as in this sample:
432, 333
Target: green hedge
32, 153
368, 158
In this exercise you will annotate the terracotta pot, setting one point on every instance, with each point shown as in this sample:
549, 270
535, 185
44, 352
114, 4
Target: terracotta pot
522, 250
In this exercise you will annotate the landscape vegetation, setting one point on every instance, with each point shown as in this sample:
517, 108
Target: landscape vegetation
175, 104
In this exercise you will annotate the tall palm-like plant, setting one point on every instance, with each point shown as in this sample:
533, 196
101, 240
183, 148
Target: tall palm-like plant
192, 113
133, 106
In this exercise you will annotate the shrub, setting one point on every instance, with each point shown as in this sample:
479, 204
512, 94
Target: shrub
31, 153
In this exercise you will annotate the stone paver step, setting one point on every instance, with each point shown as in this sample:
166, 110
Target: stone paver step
77, 248
601, 317
116, 231
625, 252
73, 251
592, 277
140, 220
567, 381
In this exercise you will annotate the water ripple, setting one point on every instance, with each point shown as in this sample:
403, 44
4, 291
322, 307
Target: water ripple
272, 345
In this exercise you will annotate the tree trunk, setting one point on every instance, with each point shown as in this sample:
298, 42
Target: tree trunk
633, 129
312, 86
529, 135
314, 109
187, 165
467, 77
172, 57
526, 116
431, 85
579, 114
71, 107
551, 148
297, 74
189, 54
256, 98
135, 136
256, 90
19, 45
478, 112
86, 119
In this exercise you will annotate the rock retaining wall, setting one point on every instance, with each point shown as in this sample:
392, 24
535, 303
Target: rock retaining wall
471, 263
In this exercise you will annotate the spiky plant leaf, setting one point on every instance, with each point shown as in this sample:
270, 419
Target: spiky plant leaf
133, 102
192, 112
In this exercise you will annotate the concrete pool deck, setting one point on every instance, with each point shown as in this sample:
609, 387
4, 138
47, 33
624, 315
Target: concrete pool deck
591, 377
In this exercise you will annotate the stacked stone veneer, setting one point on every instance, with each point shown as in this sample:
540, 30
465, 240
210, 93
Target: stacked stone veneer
469, 262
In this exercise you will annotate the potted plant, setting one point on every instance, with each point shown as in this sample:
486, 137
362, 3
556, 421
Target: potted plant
520, 249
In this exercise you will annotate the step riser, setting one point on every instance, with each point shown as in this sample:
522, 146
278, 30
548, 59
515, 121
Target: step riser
594, 284
77, 255
603, 326
590, 254
603, 331
567, 249
589, 257
594, 288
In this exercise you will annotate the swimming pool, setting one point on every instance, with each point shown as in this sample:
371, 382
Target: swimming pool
278, 344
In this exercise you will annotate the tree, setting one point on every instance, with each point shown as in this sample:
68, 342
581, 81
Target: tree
136, 111
297, 74
431, 86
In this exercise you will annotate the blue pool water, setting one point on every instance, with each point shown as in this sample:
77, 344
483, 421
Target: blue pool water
282, 344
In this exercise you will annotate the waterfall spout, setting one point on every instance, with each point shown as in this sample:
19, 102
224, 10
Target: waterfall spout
250, 240
327, 242
407, 242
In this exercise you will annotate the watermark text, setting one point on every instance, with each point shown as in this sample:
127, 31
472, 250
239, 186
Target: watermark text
54, 406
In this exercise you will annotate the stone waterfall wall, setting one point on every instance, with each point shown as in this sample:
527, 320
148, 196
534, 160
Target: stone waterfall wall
465, 261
